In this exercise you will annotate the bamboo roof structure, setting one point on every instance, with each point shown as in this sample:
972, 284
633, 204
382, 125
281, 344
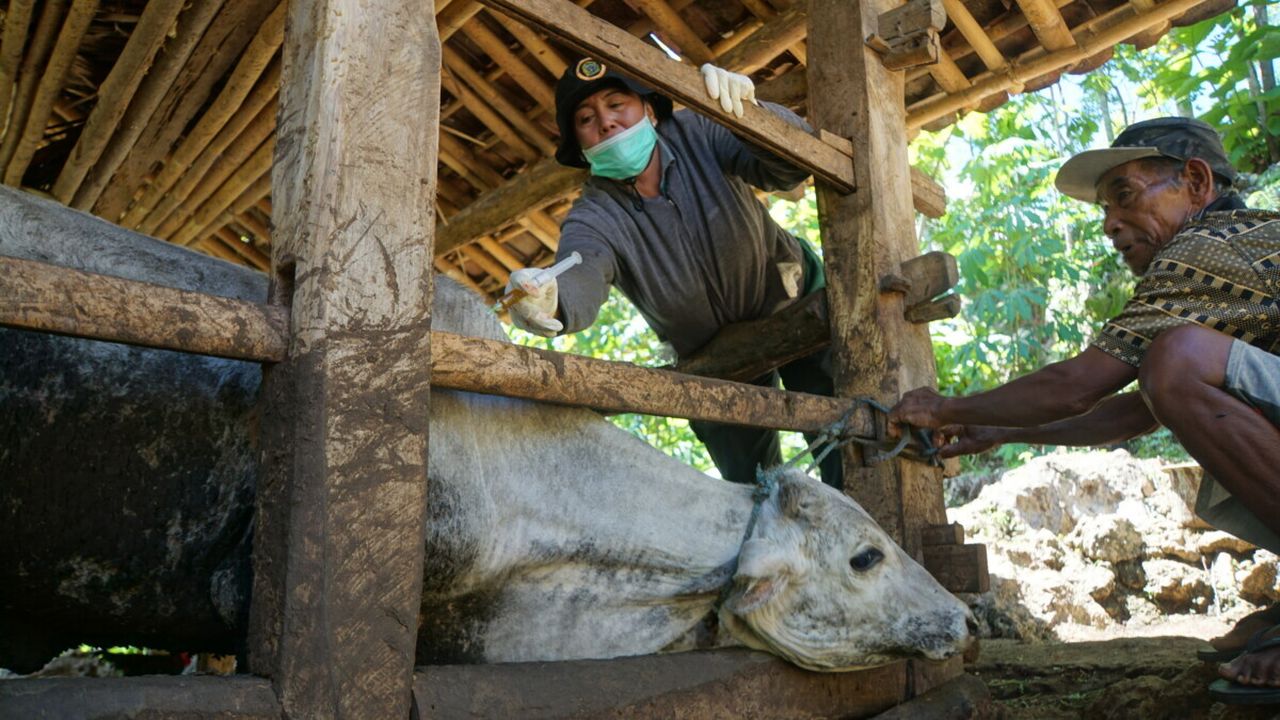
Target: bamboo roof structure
159, 115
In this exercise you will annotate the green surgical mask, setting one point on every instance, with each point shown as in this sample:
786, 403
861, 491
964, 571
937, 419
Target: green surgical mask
624, 155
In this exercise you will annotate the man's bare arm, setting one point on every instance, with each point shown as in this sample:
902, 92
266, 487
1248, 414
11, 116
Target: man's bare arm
1114, 420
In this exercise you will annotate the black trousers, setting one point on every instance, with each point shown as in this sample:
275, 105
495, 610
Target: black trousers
737, 451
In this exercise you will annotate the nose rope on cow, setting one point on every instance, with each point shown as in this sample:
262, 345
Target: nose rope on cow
834, 436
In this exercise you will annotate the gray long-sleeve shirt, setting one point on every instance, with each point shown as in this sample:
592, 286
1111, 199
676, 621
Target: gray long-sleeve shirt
701, 255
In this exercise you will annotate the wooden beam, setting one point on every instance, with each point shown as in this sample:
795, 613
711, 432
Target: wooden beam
745, 351
500, 368
55, 72
48, 298
1092, 37
228, 152
866, 236
157, 21
543, 183
219, 50
927, 196
947, 534
257, 56
16, 21
192, 24
682, 83
342, 499
959, 568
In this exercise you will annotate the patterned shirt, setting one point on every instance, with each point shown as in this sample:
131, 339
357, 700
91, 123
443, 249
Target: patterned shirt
1221, 272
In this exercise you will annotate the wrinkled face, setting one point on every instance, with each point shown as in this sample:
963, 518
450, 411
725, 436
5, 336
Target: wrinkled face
1144, 206
821, 585
607, 113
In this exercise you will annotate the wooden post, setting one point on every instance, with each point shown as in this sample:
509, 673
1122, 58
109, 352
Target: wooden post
866, 235
338, 550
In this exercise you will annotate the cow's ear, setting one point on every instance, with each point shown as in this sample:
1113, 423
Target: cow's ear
764, 567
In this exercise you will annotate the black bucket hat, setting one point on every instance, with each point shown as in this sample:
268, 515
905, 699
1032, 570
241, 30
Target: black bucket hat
1178, 138
582, 79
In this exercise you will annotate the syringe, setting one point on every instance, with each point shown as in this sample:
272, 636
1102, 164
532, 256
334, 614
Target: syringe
541, 278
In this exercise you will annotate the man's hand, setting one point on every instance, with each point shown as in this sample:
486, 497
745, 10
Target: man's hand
729, 88
968, 439
536, 312
919, 407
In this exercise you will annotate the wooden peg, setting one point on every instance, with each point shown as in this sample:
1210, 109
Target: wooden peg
931, 310
907, 36
929, 276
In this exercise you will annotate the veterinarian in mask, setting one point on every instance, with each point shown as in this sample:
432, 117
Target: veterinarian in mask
670, 218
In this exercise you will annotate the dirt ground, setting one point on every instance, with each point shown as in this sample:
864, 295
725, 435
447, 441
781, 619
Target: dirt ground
1125, 678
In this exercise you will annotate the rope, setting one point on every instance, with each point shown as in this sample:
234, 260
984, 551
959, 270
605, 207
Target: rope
834, 436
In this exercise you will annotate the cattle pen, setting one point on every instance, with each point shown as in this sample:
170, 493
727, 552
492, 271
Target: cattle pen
314, 142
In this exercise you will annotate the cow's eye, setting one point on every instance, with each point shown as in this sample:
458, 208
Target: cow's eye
866, 559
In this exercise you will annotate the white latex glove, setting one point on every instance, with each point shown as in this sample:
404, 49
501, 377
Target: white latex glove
729, 88
536, 312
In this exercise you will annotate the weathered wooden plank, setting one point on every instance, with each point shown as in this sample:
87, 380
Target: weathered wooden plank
338, 553
962, 698
929, 275
930, 310
186, 696
498, 368
744, 351
948, 534
959, 568
682, 83
39, 296
865, 237
117, 90
709, 685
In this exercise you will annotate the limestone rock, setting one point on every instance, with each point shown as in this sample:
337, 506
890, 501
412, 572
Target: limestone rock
1108, 538
1175, 587
1257, 582
1217, 541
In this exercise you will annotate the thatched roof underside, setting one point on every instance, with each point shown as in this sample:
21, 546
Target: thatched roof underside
160, 115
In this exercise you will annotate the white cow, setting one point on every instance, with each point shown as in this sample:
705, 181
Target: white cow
555, 535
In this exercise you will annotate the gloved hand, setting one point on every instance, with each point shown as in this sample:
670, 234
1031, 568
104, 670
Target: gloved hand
729, 88
536, 312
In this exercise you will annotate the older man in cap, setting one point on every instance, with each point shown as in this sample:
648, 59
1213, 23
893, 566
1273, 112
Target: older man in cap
1201, 335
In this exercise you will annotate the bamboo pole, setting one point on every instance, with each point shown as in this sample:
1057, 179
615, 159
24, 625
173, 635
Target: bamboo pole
16, 21
235, 156
958, 46
254, 121
246, 251
55, 72
528, 80
258, 165
513, 115
1047, 23
1035, 63
33, 64
500, 253
491, 119
257, 56
972, 31
676, 29
537, 47
491, 267
459, 276
776, 37
157, 21
452, 17
191, 26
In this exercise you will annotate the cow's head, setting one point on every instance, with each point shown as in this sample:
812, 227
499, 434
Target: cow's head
820, 584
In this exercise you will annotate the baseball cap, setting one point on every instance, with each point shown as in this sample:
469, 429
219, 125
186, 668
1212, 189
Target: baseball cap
1178, 138
582, 79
